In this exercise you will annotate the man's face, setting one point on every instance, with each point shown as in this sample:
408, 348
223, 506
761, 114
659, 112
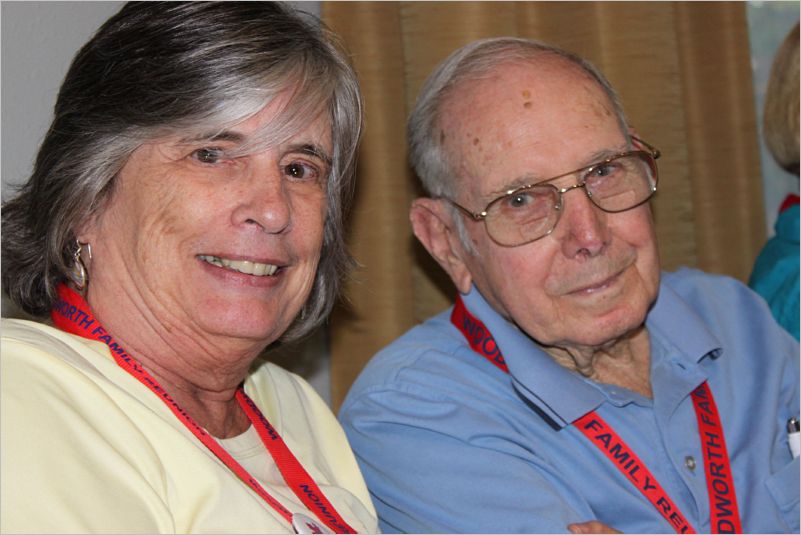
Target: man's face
595, 276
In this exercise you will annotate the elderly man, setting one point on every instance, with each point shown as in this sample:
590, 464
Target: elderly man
573, 386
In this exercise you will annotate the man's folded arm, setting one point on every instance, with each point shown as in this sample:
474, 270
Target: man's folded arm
434, 465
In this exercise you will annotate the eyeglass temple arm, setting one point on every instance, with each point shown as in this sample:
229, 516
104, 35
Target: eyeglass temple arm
477, 217
654, 151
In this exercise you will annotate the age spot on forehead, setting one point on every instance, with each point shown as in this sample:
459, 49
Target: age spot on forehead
476, 141
527, 95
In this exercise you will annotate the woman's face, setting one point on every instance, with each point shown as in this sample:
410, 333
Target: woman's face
206, 245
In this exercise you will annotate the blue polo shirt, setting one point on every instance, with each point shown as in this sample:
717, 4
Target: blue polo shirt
448, 442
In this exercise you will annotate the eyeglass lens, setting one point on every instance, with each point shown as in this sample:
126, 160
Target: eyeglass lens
531, 213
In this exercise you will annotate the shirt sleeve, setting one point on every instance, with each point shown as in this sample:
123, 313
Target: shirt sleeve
452, 468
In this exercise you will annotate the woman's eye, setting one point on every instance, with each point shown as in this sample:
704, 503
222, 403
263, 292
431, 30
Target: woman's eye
208, 155
300, 171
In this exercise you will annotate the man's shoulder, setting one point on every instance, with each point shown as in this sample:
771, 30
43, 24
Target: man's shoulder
723, 306
416, 348
701, 290
688, 276
431, 359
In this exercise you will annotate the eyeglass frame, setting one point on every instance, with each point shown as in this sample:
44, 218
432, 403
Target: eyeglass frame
652, 152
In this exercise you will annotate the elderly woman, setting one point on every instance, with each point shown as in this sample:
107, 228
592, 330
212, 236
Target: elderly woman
184, 213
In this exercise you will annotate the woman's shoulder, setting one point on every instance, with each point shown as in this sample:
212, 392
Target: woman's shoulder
20, 330
283, 395
43, 349
307, 425
46, 370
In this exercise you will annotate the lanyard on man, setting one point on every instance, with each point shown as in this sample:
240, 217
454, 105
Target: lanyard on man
724, 512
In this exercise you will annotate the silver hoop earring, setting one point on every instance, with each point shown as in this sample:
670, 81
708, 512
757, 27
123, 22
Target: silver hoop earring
78, 274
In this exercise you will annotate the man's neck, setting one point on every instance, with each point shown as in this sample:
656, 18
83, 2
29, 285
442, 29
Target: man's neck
625, 363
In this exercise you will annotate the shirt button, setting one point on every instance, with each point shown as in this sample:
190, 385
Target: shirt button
689, 462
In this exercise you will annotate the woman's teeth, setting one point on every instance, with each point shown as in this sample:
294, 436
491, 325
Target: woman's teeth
243, 266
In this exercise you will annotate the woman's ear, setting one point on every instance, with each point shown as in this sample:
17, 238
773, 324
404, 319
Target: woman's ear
432, 224
88, 233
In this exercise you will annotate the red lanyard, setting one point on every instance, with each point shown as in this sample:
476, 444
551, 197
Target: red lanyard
725, 516
72, 314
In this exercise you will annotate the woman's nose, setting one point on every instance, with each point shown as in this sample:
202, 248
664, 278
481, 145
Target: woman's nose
264, 201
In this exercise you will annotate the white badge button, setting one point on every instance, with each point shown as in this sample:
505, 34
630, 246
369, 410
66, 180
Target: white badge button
305, 524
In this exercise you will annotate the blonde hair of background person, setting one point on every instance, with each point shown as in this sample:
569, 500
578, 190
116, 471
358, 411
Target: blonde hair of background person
780, 122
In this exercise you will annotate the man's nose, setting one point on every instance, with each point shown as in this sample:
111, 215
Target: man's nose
582, 229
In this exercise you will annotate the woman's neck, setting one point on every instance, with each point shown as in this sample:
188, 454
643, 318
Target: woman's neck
219, 413
201, 373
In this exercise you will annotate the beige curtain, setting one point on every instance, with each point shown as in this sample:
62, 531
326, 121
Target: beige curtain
683, 72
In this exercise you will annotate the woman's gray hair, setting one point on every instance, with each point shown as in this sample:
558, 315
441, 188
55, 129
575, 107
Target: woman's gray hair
195, 69
427, 154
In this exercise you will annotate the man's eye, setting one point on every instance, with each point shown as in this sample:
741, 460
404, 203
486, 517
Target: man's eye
519, 200
208, 155
605, 169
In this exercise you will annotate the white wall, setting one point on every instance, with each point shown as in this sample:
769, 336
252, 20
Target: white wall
38, 41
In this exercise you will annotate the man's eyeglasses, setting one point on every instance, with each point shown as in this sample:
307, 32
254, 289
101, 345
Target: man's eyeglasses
531, 212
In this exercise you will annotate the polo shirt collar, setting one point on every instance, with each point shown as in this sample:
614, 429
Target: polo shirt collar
673, 321
562, 396
536, 376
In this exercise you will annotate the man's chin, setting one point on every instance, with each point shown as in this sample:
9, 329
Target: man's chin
605, 330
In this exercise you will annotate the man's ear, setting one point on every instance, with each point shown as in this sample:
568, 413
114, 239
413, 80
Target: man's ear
431, 222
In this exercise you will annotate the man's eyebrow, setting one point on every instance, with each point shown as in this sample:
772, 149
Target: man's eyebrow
518, 182
532, 178
603, 154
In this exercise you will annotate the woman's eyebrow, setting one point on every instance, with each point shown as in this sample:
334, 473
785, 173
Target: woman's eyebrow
226, 135
311, 149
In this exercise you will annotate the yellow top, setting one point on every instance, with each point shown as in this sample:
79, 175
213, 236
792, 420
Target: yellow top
85, 447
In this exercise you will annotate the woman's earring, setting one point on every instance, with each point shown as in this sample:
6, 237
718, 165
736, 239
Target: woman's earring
78, 274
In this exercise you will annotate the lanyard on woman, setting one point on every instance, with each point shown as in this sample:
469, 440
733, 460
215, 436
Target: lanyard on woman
72, 314
725, 516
